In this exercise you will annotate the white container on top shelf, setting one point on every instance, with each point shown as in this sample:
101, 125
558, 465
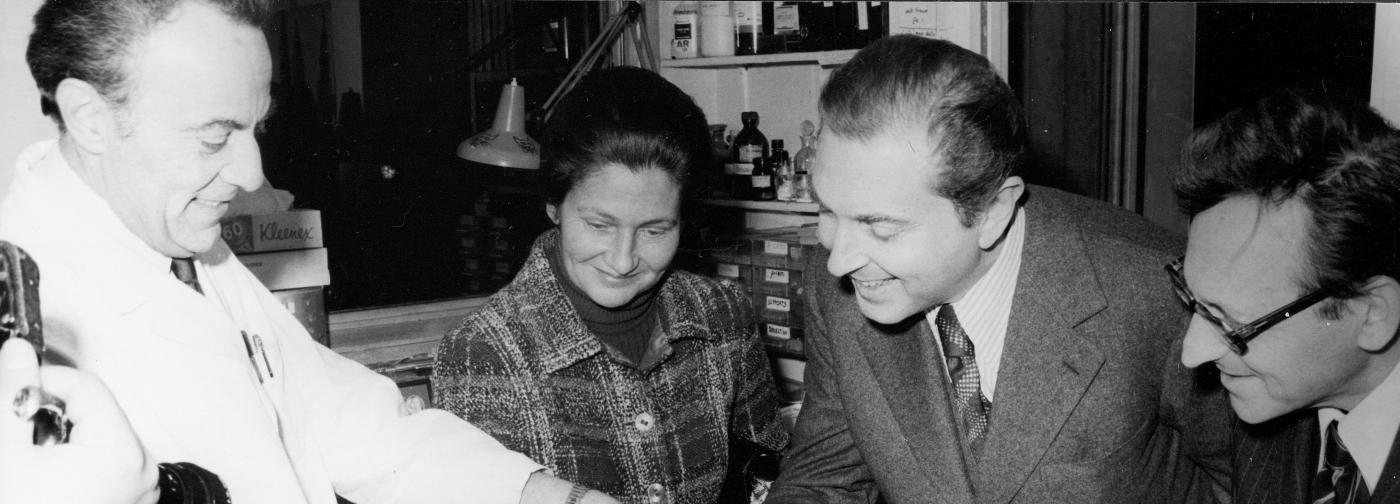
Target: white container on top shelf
784, 87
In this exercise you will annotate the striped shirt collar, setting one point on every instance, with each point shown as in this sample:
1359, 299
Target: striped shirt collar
985, 309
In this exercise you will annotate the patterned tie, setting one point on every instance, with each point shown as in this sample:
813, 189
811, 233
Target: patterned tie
1339, 481
962, 368
183, 269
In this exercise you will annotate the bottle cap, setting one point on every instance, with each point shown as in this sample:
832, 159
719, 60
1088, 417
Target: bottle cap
777, 143
748, 116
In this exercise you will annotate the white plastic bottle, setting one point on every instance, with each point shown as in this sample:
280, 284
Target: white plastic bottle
716, 28
685, 29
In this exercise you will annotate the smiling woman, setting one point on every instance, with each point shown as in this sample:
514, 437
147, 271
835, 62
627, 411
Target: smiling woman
601, 360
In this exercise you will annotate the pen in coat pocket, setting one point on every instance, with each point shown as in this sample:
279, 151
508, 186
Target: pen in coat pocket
247, 345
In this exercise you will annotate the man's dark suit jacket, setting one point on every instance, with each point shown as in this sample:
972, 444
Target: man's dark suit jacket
1276, 460
1091, 405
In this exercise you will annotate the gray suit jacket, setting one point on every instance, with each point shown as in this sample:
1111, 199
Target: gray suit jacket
1092, 403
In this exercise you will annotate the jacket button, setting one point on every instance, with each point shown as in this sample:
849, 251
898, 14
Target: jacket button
655, 493
644, 422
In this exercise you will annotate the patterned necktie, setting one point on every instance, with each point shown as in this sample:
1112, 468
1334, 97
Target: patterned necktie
962, 368
183, 269
1339, 481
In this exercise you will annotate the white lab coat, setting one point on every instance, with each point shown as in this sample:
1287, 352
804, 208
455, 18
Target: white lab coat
317, 424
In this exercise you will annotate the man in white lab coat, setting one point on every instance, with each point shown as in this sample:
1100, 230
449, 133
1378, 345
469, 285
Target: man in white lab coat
157, 102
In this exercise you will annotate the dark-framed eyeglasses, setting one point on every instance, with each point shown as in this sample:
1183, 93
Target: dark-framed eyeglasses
1238, 337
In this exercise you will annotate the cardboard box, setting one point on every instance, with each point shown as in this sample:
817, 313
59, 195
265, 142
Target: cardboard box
289, 269
308, 305
290, 230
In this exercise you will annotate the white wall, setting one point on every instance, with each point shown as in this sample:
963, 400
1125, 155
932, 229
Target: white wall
1385, 74
20, 121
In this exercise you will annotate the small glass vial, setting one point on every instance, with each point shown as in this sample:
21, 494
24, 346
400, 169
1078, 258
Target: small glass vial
802, 164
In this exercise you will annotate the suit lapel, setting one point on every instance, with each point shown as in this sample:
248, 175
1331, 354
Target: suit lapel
917, 397
1046, 365
1275, 461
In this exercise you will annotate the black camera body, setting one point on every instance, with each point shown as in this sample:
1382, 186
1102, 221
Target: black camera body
20, 318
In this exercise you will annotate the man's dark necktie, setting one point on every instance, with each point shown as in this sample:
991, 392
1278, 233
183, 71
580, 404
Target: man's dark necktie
183, 269
1339, 481
962, 368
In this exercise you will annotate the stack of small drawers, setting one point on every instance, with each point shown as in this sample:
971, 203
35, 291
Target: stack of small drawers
494, 239
768, 266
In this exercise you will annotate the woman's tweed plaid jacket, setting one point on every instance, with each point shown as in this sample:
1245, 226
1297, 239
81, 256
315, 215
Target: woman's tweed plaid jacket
525, 369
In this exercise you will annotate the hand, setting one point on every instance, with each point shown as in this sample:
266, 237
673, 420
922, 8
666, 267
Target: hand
102, 462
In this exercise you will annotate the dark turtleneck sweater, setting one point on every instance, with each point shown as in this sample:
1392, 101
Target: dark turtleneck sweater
628, 328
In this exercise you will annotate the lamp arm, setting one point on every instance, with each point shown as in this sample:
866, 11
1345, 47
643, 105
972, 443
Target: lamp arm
596, 50
495, 45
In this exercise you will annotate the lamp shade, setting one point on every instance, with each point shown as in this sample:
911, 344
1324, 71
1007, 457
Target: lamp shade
506, 143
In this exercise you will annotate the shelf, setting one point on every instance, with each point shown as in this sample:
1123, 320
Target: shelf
767, 206
823, 58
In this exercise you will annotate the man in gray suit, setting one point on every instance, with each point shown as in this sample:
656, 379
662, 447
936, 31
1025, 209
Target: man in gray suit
1292, 270
980, 339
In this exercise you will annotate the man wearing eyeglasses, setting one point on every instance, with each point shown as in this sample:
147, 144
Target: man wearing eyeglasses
1291, 269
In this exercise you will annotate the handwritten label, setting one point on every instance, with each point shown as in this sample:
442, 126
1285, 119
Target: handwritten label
775, 275
780, 332
775, 247
776, 303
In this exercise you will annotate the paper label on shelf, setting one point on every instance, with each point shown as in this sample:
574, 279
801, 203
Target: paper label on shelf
778, 331
785, 19
776, 303
775, 247
775, 275
955, 22
862, 15
748, 14
727, 270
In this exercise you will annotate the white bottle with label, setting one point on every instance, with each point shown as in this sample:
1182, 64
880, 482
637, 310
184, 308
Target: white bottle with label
716, 29
685, 27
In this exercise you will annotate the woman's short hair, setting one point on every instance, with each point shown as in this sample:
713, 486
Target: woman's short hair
627, 116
